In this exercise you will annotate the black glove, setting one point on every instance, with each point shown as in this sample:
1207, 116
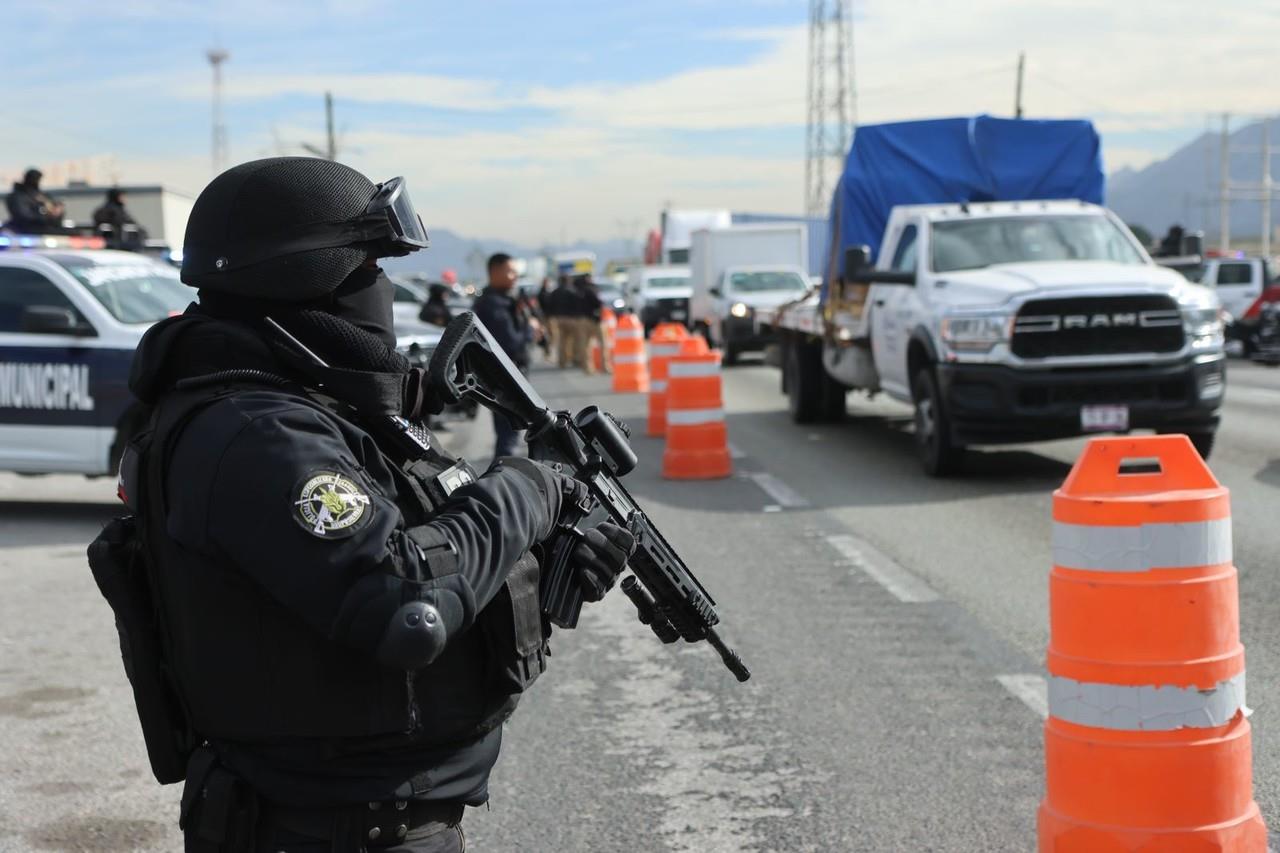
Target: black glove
600, 557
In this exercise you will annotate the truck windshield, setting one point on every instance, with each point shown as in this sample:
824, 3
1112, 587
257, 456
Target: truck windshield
133, 293
667, 283
970, 244
766, 280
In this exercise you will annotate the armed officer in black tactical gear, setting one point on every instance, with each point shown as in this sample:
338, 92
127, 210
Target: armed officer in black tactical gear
347, 613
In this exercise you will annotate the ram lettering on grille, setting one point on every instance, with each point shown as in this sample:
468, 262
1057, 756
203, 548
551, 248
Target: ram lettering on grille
1123, 320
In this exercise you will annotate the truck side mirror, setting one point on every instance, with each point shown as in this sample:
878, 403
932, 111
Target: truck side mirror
858, 269
716, 292
855, 258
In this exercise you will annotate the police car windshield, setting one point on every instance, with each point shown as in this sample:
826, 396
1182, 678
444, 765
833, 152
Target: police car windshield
970, 244
134, 293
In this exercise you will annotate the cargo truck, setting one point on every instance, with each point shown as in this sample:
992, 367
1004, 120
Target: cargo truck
738, 275
974, 275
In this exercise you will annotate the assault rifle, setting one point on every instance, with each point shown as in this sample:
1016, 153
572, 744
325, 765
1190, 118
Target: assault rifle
593, 448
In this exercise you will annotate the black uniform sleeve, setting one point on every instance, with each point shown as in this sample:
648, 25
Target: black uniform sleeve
308, 513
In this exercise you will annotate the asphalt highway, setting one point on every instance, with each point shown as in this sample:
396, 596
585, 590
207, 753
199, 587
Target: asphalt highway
895, 627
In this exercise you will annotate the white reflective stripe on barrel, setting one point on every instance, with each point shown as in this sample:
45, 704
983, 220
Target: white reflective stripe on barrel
1143, 547
1147, 708
693, 417
687, 369
658, 385
628, 334
664, 349
628, 359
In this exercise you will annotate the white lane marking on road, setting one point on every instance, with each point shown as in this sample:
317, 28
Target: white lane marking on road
734, 452
783, 494
1032, 690
900, 583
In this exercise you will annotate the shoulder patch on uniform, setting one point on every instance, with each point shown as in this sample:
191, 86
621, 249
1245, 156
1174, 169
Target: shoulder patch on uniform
330, 505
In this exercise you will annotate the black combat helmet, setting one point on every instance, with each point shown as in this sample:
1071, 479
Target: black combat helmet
291, 229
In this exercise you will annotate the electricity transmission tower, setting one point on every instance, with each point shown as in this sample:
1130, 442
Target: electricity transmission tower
216, 57
832, 99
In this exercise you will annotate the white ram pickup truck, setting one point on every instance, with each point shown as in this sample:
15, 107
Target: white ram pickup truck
1009, 322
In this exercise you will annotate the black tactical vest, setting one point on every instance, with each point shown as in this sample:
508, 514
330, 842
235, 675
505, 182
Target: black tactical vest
249, 671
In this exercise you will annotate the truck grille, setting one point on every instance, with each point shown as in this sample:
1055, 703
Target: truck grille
1103, 325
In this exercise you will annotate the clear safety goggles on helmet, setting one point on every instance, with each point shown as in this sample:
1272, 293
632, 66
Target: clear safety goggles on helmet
389, 226
392, 200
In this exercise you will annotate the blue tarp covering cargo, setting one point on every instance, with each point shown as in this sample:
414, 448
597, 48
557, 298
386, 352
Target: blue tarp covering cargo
959, 160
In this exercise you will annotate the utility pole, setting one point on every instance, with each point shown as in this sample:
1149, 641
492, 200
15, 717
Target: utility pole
1017, 97
832, 99
331, 147
216, 57
1224, 186
1262, 191
1266, 187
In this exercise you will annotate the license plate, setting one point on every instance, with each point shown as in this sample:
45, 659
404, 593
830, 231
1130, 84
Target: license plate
677, 315
1104, 418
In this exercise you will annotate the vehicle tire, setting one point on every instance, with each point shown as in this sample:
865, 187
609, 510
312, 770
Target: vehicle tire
938, 455
784, 356
804, 382
729, 355
834, 398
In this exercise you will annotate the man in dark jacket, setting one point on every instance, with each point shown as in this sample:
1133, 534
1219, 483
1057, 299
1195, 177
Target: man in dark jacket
115, 216
349, 614
30, 210
500, 311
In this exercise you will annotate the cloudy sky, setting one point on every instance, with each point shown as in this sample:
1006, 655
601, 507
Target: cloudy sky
536, 120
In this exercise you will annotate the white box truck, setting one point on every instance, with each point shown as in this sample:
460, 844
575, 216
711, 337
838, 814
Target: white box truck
740, 273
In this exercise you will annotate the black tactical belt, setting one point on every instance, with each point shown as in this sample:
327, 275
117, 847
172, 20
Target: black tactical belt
376, 824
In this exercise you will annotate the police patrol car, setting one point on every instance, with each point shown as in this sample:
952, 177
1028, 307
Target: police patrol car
71, 315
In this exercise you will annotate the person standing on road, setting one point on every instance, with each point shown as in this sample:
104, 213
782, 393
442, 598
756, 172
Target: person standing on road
557, 307
586, 313
347, 617
500, 311
595, 328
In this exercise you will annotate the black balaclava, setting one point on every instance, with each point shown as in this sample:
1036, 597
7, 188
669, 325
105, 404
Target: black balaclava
364, 300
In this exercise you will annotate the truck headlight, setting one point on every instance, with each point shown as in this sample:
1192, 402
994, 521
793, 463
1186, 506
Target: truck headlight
739, 309
1203, 325
975, 332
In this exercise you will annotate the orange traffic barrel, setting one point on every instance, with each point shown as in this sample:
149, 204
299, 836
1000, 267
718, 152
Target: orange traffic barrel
597, 356
629, 373
675, 331
609, 321
664, 343
697, 442
1147, 745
